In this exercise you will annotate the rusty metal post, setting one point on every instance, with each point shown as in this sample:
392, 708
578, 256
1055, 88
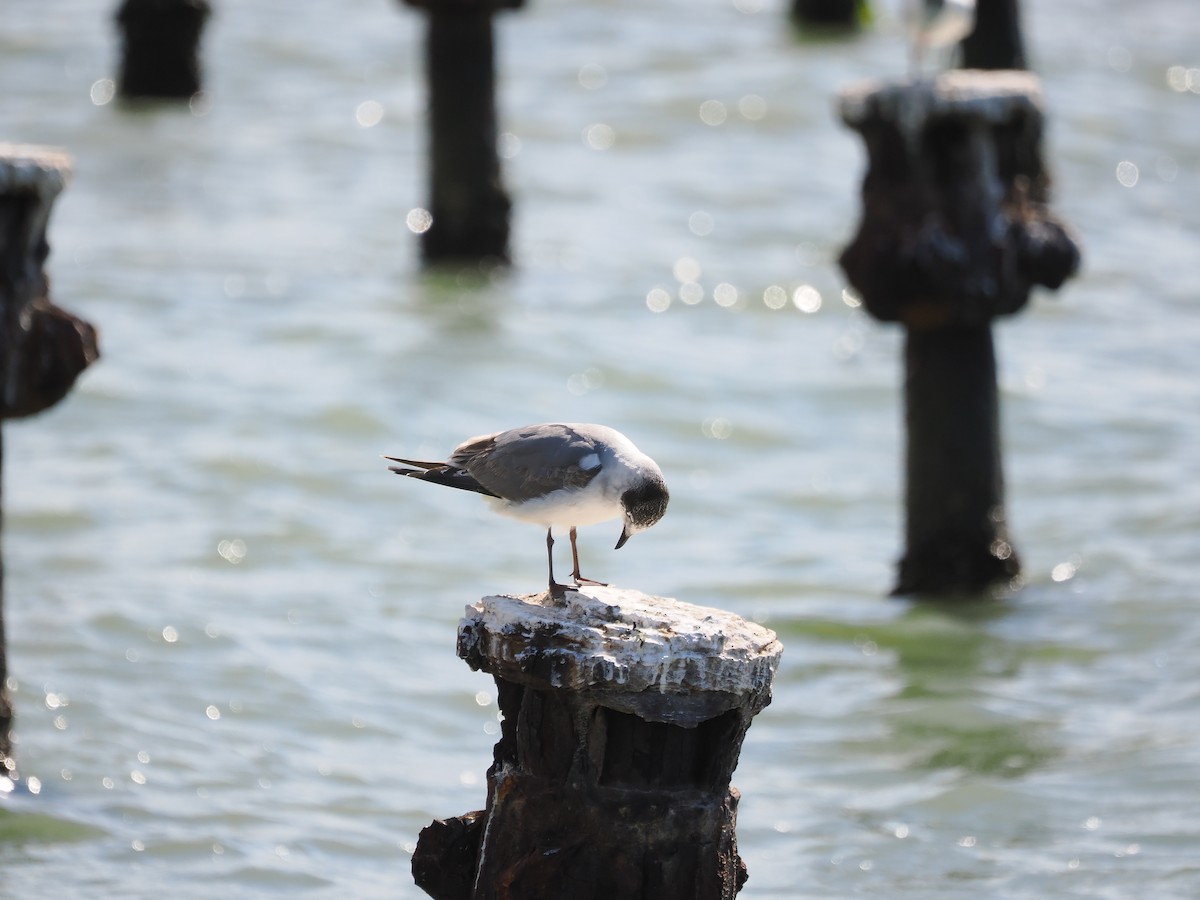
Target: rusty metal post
955, 231
624, 716
42, 348
468, 203
160, 41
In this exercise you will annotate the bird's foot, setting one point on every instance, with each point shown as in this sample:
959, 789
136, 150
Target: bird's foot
558, 591
579, 579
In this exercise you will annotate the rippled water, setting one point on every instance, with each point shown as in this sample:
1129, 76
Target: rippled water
231, 631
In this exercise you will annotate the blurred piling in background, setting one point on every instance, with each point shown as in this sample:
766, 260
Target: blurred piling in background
160, 48
955, 231
995, 42
840, 15
624, 716
467, 201
43, 348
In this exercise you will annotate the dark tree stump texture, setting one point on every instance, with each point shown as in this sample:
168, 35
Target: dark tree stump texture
623, 719
42, 348
955, 231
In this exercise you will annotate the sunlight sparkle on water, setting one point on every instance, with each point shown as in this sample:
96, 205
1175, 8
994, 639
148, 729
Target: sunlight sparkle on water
102, 91
591, 379
691, 293
1182, 78
806, 298
718, 428
1064, 571
418, 220
508, 145
658, 300
700, 223
232, 551
200, 104
752, 107
775, 297
713, 112
599, 136
686, 269
725, 294
369, 113
1127, 173
592, 76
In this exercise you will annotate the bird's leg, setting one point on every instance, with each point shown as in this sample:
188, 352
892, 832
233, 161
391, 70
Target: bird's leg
579, 579
556, 590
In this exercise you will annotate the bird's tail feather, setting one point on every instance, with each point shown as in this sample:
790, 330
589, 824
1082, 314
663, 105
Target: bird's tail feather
413, 462
440, 473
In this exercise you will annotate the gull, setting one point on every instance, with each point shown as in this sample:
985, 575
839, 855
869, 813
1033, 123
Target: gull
937, 24
557, 476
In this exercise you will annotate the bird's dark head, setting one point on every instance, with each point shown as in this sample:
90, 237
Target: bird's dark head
644, 505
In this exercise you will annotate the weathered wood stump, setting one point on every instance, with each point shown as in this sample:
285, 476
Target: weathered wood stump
468, 203
43, 348
160, 43
955, 231
624, 716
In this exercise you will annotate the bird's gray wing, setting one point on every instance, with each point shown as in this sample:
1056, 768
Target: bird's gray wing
525, 463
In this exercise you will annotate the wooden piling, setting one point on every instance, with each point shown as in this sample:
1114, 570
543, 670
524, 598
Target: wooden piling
833, 15
624, 716
468, 203
160, 48
43, 348
955, 231
995, 42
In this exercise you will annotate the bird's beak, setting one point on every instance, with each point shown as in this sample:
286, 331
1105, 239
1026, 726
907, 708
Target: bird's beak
626, 534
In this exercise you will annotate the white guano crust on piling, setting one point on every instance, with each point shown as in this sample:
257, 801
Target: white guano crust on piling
617, 638
992, 96
40, 170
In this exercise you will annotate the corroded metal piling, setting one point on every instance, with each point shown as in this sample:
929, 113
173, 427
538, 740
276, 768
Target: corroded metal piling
43, 348
468, 203
955, 231
160, 42
624, 715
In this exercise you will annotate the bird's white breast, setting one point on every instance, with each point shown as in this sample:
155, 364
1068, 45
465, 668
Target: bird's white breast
564, 508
